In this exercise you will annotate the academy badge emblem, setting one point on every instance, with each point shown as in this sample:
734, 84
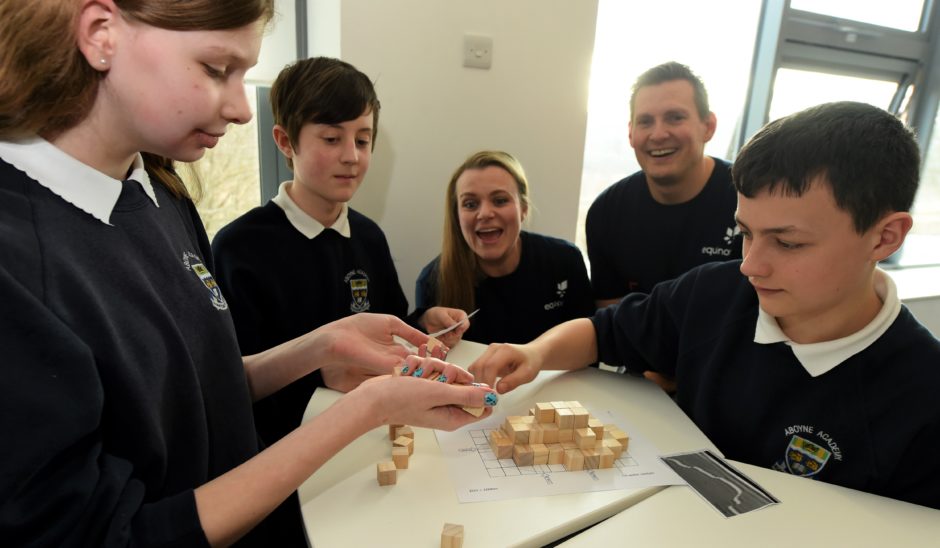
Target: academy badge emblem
359, 287
193, 263
805, 458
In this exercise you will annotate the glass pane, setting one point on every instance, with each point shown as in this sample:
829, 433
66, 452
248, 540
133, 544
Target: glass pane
795, 90
627, 42
923, 243
898, 14
228, 174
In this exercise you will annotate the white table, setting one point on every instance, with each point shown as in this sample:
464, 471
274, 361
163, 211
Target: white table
343, 505
811, 513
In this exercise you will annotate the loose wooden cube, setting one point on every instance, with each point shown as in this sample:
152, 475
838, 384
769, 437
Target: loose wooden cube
452, 536
544, 412
391, 430
549, 432
522, 454
386, 473
539, 453
536, 434
585, 438
407, 443
597, 426
565, 434
501, 444
475, 411
404, 431
433, 343
581, 417
556, 453
574, 460
400, 457
564, 418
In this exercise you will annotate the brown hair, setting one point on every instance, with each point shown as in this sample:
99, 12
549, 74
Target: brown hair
321, 90
46, 85
458, 271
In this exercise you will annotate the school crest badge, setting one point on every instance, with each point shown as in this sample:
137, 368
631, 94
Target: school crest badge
805, 458
194, 264
359, 287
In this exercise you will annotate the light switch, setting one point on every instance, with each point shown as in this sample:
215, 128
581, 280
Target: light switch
477, 51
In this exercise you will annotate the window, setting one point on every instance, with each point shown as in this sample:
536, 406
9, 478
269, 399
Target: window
228, 174
632, 37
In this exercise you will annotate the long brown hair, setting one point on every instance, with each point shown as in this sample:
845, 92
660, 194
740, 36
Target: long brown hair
47, 86
459, 271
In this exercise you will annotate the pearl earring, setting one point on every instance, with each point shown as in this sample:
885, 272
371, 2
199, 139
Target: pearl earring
104, 61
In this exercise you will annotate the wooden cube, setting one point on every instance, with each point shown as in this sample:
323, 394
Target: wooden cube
386, 473
501, 444
549, 432
475, 411
565, 434
606, 458
433, 344
597, 426
574, 460
566, 445
452, 536
620, 436
592, 459
404, 431
536, 434
556, 453
584, 437
559, 405
539, 453
400, 457
564, 418
407, 443
573, 404
614, 446
581, 417
391, 430
519, 432
522, 454
544, 412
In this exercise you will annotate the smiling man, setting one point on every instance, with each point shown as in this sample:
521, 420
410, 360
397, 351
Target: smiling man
678, 211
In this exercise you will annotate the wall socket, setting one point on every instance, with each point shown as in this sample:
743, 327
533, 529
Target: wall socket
477, 51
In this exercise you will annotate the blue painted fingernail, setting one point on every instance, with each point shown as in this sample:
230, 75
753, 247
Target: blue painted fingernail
490, 399
404, 370
418, 372
442, 378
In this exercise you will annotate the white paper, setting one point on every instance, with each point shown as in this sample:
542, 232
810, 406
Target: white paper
479, 476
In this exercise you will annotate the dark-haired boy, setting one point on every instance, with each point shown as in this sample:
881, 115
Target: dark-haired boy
306, 258
808, 363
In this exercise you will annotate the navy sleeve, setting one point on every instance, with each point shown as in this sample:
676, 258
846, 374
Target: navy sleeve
426, 286
604, 282
242, 290
581, 303
59, 485
396, 296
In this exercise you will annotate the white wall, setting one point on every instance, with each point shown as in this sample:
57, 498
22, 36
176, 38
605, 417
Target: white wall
531, 103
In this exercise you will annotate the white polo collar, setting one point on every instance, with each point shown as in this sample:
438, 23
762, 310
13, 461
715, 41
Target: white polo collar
305, 224
75, 182
819, 358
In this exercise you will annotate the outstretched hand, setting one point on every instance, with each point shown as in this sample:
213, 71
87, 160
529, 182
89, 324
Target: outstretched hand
513, 364
362, 346
429, 393
439, 317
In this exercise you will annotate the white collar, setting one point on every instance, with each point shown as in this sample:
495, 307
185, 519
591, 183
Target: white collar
304, 223
821, 357
75, 182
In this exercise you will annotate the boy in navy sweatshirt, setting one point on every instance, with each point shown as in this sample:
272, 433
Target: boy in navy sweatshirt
799, 357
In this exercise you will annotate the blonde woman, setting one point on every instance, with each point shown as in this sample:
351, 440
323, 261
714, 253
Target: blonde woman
522, 283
